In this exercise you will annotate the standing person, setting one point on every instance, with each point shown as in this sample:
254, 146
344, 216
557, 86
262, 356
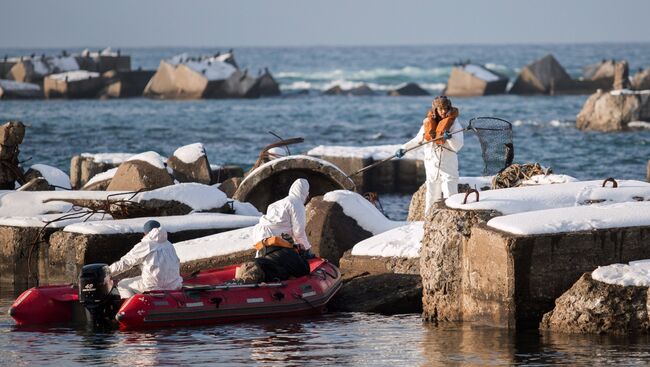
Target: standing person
158, 260
286, 216
440, 158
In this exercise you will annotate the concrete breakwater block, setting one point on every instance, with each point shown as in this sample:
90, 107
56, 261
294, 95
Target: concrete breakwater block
386, 293
379, 264
21, 252
472, 272
399, 175
73, 84
85, 166
125, 84
474, 80
280, 173
330, 231
107, 241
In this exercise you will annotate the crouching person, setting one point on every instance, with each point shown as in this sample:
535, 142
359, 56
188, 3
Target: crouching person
156, 257
287, 217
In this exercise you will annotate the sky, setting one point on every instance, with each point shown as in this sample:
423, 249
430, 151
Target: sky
150, 23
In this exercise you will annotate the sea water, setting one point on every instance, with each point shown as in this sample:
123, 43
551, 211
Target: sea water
234, 131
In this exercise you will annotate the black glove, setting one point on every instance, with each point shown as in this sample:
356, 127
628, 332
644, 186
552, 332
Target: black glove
400, 153
446, 135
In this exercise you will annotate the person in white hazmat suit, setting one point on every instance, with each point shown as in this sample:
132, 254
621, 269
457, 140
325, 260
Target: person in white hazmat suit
440, 155
287, 216
158, 260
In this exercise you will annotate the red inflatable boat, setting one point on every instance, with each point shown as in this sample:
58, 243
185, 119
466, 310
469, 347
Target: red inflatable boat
206, 298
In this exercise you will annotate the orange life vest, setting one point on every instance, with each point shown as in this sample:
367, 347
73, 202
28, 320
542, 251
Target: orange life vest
434, 129
274, 241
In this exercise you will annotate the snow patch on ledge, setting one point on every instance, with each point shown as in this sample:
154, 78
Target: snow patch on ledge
541, 197
219, 244
636, 273
575, 219
74, 76
362, 211
176, 223
112, 158
403, 241
54, 176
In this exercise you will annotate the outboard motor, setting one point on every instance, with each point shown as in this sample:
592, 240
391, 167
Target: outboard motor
95, 294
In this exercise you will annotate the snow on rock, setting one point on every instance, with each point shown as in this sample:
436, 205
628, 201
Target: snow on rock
107, 175
73, 76
609, 195
177, 223
618, 92
30, 203
548, 179
11, 85
52, 220
62, 64
530, 198
245, 208
195, 195
112, 158
403, 241
636, 273
212, 68
150, 157
215, 245
190, 153
574, 219
54, 176
377, 152
358, 208
481, 72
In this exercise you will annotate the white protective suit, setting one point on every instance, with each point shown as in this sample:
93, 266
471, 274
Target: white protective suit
286, 216
158, 260
440, 163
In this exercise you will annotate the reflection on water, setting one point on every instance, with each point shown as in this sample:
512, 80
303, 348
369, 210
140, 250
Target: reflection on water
344, 339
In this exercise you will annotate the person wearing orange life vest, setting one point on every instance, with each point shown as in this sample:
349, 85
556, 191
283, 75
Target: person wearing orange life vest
287, 216
440, 156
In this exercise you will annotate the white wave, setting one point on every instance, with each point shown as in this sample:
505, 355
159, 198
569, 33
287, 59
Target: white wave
639, 124
368, 74
558, 123
350, 84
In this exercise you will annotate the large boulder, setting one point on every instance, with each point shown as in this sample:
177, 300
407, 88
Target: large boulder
144, 171
388, 294
474, 80
612, 111
641, 80
190, 164
86, 166
621, 75
330, 231
409, 89
591, 306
